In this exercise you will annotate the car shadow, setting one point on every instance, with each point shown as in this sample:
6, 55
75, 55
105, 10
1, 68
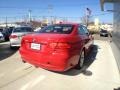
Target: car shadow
117, 88
5, 51
90, 58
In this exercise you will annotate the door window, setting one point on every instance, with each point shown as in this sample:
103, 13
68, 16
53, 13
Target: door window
86, 30
81, 30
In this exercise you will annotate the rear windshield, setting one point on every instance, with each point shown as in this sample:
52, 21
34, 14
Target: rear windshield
104, 31
61, 29
23, 29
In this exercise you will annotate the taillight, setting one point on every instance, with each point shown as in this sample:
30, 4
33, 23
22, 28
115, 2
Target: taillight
53, 45
63, 45
60, 45
13, 36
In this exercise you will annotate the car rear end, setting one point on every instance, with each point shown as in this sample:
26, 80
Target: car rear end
17, 34
48, 50
104, 33
1, 37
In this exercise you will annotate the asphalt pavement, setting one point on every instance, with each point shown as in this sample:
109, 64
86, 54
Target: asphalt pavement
101, 38
100, 71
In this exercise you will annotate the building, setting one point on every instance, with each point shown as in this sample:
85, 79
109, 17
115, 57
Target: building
108, 27
116, 26
9, 25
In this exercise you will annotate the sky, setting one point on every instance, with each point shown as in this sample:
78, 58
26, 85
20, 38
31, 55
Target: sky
62, 8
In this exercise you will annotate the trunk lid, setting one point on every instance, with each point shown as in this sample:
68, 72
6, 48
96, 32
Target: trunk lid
46, 42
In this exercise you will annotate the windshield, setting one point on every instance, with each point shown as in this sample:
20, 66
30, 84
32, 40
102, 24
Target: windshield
23, 29
104, 31
62, 29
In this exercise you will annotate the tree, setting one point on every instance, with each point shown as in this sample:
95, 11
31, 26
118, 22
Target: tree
85, 20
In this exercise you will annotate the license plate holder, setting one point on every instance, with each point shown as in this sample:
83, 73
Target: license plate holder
35, 46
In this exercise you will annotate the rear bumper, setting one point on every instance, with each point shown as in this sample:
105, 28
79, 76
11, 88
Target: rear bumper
54, 61
15, 43
104, 34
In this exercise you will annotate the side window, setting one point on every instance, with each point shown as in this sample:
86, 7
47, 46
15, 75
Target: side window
86, 30
48, 29
29, 29
81, 30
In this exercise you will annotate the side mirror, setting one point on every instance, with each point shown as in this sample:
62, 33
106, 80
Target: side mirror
87, 33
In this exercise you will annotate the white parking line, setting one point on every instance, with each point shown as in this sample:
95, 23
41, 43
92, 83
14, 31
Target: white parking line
5, 43
33, 82
20, 69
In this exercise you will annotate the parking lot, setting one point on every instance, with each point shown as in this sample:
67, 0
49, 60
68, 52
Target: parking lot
100, 71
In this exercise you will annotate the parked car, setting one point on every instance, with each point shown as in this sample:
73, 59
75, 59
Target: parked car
37, 29
1, 29
1, 37
104, 33
17, 34
7, 32
10, 29
57, 47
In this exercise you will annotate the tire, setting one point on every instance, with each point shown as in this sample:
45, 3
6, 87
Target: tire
81, 60
11, 47
106, 35
23, 61
6, 39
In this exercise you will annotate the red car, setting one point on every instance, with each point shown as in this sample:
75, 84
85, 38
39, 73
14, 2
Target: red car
57, 47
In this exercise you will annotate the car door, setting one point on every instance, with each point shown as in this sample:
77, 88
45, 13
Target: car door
89, 38
84, 35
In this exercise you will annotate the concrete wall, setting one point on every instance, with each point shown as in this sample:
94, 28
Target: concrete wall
116, 32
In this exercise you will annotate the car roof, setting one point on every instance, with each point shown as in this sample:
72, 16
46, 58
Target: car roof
75, 24
23, 27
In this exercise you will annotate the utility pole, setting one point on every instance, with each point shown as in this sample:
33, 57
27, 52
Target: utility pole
6, 20
50, 8
29, 14
87, 18
51, 19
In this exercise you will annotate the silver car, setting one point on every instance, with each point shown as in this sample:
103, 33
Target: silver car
17, 34
104, 33
1, 37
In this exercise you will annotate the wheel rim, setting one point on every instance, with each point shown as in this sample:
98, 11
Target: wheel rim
82, 57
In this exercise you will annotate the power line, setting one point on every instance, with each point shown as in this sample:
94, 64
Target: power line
49, 6
7, 7
100, 14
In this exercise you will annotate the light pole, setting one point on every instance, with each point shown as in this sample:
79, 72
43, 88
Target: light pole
87, 16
